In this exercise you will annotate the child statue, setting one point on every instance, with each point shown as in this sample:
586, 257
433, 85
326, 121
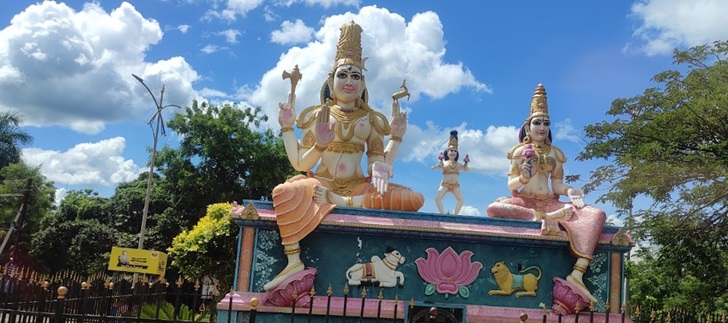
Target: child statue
451, 174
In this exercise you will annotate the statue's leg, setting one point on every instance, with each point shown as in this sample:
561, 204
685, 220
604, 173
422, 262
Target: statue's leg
293, 253
397, 197
458, 194
511, 208
438, 198
576, 277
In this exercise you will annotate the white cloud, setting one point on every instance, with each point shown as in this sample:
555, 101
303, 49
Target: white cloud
231, 35
209, 49
69, 68
183, 28
292, 33
565, 131
99, 163
59, 196
487, 150
331, 3
667, 24
397, 50
469, 210
232, 10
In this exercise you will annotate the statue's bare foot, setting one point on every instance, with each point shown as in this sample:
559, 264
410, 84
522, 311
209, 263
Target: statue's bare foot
284, 274
320, 194
564, 213
580, 285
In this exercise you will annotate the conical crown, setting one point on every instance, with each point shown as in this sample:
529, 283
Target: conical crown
348, 50
453, 142
539, 106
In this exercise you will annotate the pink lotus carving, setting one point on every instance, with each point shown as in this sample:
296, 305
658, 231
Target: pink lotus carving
447, 272
296, 288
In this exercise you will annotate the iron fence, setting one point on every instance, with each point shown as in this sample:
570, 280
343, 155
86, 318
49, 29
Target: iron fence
26, 297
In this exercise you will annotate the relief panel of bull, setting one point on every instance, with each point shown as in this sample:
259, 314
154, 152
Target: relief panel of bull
384, 271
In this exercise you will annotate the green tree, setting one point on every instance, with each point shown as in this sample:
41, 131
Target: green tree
78, 236
669, 146
208, 249
11, 136
221, 158
40, 203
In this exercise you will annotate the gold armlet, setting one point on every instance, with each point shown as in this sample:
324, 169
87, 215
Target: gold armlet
396, 138
286, 129
520, 179
319, 149
371, 153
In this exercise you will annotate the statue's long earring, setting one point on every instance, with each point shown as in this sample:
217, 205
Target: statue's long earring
527, 140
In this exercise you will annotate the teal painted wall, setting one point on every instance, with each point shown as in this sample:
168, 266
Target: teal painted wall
333, 253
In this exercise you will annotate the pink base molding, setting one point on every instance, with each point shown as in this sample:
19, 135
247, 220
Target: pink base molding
240, 301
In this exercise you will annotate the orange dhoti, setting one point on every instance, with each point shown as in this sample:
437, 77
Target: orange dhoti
298, 214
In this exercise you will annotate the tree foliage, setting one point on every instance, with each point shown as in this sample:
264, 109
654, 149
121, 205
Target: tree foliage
222, 157
40, 202
669, 145
11, 137
209, 248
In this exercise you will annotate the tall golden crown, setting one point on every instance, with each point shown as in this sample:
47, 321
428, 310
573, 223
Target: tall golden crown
539, 106
453, 142
348, 50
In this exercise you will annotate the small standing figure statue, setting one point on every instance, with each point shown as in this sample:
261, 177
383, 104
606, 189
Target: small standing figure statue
451, 173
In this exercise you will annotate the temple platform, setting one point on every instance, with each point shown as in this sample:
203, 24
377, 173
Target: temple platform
365, 263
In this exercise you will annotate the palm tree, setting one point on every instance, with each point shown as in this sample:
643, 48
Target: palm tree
11, 136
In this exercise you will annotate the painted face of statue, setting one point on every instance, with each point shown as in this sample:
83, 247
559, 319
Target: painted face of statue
540, 128
348, 83
452, 154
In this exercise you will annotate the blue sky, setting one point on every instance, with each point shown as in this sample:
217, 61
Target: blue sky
470, 66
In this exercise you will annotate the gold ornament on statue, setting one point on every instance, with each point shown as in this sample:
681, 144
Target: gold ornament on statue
348, 50
539, 106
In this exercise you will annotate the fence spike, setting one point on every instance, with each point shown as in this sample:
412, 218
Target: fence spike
329, 291
180, 281
312, 292
197, 284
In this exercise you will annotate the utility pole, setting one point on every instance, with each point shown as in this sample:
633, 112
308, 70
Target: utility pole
159, 122
17, 224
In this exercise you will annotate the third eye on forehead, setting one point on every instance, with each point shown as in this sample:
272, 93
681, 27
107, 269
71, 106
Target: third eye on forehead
539, 121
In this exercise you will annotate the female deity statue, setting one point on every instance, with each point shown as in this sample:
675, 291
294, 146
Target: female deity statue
451, 174
335, 135
533, 162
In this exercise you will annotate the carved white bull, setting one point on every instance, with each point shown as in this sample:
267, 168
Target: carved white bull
379, 270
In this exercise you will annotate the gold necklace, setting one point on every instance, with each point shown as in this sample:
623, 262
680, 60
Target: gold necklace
542, 153
344, 119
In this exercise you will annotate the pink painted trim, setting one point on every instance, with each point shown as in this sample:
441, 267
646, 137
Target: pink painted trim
347, 220
474, 313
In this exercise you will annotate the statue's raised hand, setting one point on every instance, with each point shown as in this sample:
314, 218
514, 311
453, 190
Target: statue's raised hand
287, 111
398, 124
324, 128
381, 173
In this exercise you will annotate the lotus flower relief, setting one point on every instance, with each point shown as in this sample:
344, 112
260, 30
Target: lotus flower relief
448, 273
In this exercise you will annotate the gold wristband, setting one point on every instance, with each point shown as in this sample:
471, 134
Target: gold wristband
349, 201
396, 138
286, 129
566, 190
319, 149
520, 179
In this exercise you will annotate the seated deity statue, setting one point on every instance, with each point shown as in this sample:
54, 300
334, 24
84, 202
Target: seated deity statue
335, 137
451, 169
534, 161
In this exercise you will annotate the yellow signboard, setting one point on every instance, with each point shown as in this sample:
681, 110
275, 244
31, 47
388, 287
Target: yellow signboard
138, 261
